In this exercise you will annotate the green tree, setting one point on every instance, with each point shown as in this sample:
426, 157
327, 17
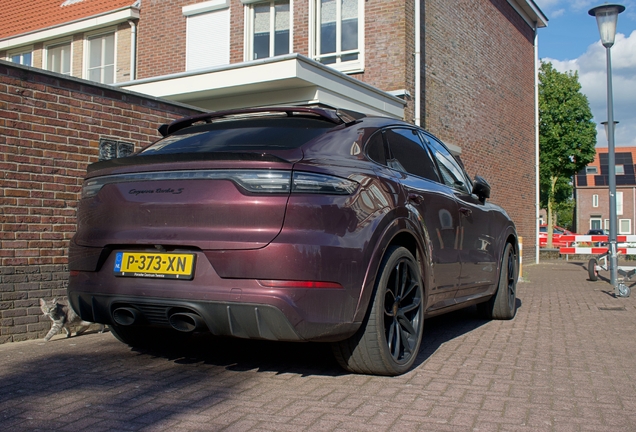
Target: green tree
567, 137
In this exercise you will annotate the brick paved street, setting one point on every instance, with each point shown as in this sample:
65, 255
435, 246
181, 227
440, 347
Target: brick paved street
566, 363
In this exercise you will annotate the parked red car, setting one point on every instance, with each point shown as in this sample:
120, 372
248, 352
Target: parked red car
291, 224
556, 236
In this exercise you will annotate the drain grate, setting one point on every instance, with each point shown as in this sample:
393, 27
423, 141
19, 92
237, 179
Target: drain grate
611, 308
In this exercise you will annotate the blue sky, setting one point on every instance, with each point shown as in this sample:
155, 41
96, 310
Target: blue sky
571, 42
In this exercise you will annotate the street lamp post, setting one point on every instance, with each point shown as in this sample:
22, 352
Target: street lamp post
606, 18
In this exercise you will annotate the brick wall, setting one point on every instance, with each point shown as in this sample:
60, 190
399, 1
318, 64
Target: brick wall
389, 47
161, 38
50, 126
479, 95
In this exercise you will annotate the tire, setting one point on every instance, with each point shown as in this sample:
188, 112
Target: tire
503, 305
390, 337
591, 269
147, 337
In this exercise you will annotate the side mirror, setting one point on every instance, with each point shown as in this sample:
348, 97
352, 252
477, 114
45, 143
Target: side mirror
481, 188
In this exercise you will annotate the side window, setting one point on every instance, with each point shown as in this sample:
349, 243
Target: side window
452, 172
375, 149
409, 155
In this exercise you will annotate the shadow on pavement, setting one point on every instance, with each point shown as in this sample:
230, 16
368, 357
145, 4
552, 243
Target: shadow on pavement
134, 388
305, 358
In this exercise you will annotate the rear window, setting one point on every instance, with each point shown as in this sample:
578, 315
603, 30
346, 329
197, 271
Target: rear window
242, 135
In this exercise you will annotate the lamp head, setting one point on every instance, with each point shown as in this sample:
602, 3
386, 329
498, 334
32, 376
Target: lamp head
606, 18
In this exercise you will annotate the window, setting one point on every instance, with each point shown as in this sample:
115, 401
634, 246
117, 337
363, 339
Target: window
339, 36
409, 155
269, 29
207, 34
595, 223
246, 135
58, 58
595, 200
451, 171
620, 170
591, 170
376, 149
101, 58
624, 226
606, 224
23, 58
619, 203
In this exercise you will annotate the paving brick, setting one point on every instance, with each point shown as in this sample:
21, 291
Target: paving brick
562, 364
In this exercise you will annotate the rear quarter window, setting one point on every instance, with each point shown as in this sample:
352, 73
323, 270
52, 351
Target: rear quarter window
241, 135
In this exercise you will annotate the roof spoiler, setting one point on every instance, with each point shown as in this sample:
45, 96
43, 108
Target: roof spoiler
338, 116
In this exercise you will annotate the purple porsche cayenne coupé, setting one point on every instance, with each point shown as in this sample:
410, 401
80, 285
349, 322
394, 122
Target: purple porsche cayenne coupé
290, 224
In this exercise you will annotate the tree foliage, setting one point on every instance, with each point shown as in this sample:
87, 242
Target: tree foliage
567, 136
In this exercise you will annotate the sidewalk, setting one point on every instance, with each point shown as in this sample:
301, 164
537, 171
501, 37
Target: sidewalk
567, 362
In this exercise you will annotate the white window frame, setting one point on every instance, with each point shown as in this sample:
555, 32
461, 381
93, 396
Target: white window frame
21, 52
620, 169
354, 66
595, 200
96, 34
55, 44
606, 225
619, 203
620, 226
591, 170
596, 219
249, 27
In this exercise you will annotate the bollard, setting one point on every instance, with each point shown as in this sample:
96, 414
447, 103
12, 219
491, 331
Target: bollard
520, 257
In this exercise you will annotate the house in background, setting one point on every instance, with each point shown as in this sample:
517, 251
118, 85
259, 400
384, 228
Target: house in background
89, 39
467, 73
592, 192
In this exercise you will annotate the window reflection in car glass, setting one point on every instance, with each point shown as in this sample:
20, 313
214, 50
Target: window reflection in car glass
245, 135
452, 174
409, 154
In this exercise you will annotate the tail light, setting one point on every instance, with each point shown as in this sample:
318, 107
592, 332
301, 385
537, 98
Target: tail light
254, 181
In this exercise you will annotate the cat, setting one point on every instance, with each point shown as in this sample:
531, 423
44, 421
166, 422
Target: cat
63, 316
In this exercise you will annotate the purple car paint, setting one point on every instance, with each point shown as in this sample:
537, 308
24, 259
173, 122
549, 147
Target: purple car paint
290, 224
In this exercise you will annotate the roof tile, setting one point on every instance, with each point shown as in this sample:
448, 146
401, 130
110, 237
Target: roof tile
21, 17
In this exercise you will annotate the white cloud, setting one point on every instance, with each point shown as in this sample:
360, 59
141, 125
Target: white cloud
557, 13
591, 67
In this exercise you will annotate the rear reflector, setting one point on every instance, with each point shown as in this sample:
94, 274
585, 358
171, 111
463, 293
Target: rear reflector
299, 284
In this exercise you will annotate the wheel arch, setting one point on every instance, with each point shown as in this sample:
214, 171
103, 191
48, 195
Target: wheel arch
401, 232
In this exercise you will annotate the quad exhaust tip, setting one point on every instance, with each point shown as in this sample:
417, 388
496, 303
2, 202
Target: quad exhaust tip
125, 316
186, 322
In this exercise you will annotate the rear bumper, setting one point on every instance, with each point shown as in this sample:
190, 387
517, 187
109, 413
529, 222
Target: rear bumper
242, 320
229, 307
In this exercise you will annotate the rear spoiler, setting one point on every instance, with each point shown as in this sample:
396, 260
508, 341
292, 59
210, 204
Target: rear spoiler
337, 117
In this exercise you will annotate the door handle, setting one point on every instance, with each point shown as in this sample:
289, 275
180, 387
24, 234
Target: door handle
416, 199
465, 211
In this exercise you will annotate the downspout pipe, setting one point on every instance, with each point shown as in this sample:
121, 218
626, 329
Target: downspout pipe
133, 49
536, 138
418, 72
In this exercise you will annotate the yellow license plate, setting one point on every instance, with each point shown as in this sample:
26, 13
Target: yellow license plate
155, 265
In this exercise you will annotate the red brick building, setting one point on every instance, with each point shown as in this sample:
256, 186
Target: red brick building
467, 73
592, 192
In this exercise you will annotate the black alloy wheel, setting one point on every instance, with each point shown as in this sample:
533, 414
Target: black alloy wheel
389, 340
